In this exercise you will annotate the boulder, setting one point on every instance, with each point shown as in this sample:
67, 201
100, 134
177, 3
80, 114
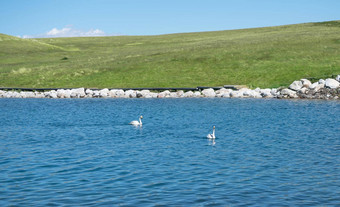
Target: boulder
266, 93
197, 94
319, 86
303, 90
95, 94
104, 93
78, 93
39, 95
256, 94
209, 92
321, 81
120, 93
246, 93
139, 94
23, 94
223, 92
305, 83
130, 94
236, 94
145, 93
188, 94
163, 94
89, 92
258, 89
173, 95
331, 83
53, 94
61, 93
153, 95
180, 93
337, 78
314, 85
296, 85
274, 92
289, 93
225, 95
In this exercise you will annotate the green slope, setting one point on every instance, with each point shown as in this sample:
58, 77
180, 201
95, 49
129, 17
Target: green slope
260, 57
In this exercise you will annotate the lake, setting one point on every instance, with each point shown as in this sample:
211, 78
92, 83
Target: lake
82, 152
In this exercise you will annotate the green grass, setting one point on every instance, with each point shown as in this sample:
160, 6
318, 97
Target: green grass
260, 57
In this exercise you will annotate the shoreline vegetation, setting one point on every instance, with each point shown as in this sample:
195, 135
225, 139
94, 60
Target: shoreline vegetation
301, 89
267, 57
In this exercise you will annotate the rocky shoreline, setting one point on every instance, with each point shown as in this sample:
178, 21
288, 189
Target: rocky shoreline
301, 89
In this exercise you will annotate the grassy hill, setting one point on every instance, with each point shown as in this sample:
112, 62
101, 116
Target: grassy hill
260, 57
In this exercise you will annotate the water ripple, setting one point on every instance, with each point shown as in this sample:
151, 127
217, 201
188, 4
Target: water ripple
83, 152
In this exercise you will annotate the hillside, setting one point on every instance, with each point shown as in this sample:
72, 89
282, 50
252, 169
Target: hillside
260, 57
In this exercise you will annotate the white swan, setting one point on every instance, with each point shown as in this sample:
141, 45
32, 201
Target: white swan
212, 136
137, 123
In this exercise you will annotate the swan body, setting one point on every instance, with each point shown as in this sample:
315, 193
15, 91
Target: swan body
212, 136
137, 123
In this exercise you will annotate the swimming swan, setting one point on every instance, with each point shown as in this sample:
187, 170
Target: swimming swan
212, 136
137, 123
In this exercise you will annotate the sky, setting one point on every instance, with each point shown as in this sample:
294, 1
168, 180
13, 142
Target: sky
65, 18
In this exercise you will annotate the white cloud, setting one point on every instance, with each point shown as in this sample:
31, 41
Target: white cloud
68, 31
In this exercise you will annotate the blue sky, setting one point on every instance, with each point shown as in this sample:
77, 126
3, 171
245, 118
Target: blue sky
42, 18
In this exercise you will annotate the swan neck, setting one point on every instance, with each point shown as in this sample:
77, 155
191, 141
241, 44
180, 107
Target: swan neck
140, 121
213, 133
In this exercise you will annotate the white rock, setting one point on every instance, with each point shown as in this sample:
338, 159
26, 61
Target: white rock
188, 94
89, 92
53, 94
274, 92
331, 83
197, 94
130, 94
305, 83
314, 85
288, 92
246, 93
39, 95
223, 92
95, 93
337, 78
303, 90
252, 94
78, 93
225, 95
104, 93
319, 86
321, 81
266, 93
161, 95
164, 94
30, 94
209, 92
153, 95
23, 94
60, 93
145, 93
180, 94
111, 93
236, 94
173, 95
296, 85
120, 93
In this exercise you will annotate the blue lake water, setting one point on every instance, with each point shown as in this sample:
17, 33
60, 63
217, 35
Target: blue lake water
82, 152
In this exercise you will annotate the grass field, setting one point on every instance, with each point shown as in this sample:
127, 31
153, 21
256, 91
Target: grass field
259, 57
